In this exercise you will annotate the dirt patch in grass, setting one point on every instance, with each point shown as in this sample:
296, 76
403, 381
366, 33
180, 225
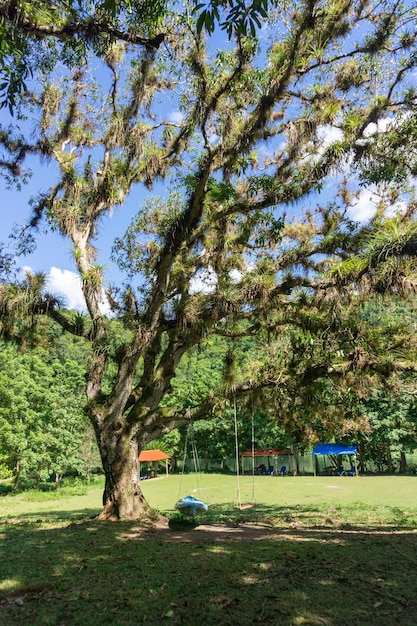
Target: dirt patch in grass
206, 533
192, 531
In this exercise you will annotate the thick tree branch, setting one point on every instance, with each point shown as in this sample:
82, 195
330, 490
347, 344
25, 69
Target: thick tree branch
84, 29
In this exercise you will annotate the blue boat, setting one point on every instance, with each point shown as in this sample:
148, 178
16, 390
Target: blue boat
191, 506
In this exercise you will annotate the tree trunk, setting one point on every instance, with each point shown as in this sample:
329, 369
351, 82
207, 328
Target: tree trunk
390, 466
362, 464
297, 464
58, 479
403, 463
17, 476
316, 465
122, 497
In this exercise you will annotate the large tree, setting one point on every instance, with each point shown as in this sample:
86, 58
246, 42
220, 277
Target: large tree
236, 243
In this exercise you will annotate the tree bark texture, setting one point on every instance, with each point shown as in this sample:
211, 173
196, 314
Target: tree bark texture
122, 497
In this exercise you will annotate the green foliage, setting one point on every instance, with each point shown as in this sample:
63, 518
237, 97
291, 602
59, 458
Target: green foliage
139, 10
385, 261
392, 429
390, 153
41, 410
37, 35
200, 371
214, 438
239, 17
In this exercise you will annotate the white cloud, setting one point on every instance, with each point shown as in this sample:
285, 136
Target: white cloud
328, 135
325, 137
380, 126
204, 282
399, 207
175, 117
67, 284
367, 203
236, 276
365, 207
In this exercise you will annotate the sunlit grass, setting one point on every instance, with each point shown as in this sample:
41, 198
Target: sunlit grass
280, 501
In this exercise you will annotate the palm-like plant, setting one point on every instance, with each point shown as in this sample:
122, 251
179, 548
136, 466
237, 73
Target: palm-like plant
21, 303
386, 261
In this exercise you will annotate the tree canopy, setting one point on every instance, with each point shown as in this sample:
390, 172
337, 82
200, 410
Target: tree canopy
38, 34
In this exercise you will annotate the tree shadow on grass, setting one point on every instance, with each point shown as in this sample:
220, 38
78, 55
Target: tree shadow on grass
93, 573
308, 516
51, 516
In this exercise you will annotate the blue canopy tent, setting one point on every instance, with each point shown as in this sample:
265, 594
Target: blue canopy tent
334, 450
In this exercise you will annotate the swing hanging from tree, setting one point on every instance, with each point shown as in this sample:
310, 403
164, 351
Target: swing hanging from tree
239, 504
189, 505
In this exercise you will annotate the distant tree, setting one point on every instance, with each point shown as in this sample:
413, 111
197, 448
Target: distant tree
41, 409
239, 245
391, 412
383, 275
392, 431
88, 457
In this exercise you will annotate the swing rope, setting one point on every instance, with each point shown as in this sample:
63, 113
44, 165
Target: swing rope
253, 460
184, 458
195, 457
238, 497
197, 468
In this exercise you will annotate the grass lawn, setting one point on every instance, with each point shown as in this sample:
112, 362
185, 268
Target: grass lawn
318, 551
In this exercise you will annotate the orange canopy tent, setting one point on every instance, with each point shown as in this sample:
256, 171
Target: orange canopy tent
151, 456
147, 456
